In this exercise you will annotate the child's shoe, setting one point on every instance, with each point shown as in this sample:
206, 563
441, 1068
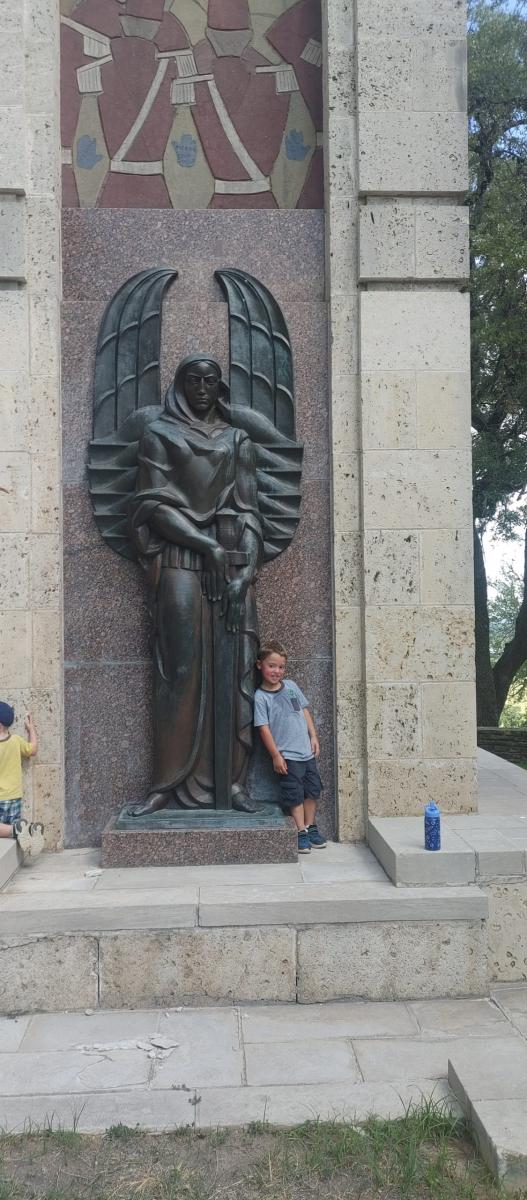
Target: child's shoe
36, 834
315, 838
304, 844
22, 834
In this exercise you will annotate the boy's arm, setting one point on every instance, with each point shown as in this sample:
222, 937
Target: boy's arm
279, 762
32, 734
312, 733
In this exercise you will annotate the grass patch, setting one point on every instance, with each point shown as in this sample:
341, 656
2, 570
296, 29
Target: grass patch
426, 1155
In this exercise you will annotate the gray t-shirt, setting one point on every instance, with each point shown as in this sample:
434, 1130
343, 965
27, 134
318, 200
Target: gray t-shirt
283, 712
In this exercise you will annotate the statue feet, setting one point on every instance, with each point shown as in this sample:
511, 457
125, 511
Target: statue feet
152, 804
241, 801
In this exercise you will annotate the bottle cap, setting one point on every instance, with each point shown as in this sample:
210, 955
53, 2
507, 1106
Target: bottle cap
431, 809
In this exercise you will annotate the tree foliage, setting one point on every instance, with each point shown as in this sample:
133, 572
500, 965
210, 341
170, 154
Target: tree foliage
498, 214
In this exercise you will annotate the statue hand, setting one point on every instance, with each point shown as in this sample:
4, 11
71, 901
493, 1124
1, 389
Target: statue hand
232, 603
215, 572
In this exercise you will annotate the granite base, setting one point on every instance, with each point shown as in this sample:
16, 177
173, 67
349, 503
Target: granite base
174, 838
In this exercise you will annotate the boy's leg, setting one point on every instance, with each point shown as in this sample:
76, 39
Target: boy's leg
297, 814
10, 813
313, 786
310, 808
6, 830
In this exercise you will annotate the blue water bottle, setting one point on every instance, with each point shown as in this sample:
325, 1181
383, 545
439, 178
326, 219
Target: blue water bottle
432, 827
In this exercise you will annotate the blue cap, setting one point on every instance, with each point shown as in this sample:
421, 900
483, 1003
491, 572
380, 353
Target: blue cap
7, 714
432, 809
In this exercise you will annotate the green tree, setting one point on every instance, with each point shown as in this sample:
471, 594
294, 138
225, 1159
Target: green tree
504, 606
498, 216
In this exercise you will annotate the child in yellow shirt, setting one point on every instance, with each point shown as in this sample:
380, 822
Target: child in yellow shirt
13, 749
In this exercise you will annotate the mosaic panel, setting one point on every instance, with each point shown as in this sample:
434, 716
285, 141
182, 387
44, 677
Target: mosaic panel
184, 104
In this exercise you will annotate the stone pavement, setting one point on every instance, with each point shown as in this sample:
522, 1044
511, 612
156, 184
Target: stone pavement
279, 1063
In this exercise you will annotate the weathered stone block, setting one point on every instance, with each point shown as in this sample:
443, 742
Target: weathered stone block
14, 411
441, 242
15, 649
387, 241
15, 475
48, 974
47, 648
398, 789
393, 721
388, 410
12, 238
419, 643
392, 961
348, 643
443, 410
351, 817
43, 222
416, 18
345, 413
347, 552
447, 575
507, 925
13, 331
412, 152
344, 332
45, 493
350, 715
418, 489
14, 557
391, 566
342, 82
197, 967
13, 143
346, 497
48, 805
424, 330
449, 717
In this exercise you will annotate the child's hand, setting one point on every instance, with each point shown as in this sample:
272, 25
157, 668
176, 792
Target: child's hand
29, 722
315, 745
280, 764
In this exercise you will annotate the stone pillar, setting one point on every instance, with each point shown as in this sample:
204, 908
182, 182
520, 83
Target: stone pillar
397, 163
342, 214
30, 518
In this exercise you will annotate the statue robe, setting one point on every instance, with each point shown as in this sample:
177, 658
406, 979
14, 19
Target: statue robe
207, 473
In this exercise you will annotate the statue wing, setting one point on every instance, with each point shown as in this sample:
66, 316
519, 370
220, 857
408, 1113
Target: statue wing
127, 396
262, 401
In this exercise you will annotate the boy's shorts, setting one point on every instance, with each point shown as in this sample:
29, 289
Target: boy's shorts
10, 811
301, 782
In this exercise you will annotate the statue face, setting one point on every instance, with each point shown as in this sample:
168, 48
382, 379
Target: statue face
201, 388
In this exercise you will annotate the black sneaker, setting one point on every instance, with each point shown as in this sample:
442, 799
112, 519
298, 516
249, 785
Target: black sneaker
315, 838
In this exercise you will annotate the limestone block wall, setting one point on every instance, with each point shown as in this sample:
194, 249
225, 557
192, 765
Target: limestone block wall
30, 551
397, 263
415, 405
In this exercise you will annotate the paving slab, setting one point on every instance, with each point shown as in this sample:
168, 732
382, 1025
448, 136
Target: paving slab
294, 1104
501, 1134
402, 1060
333, 903
95, 1112
156, 878
323, 1060
305, 1022
513, 1001
492, 1070
12, 1031
44, 1073
208, 1053
64, 1031
460, 1018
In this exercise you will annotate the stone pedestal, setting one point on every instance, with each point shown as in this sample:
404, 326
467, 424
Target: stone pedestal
175, 838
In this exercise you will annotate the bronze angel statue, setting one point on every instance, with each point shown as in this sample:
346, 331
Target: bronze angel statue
200, 491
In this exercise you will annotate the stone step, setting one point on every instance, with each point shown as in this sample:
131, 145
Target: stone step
490, 1083
473, 848
304, 943
100, 911
10, 860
